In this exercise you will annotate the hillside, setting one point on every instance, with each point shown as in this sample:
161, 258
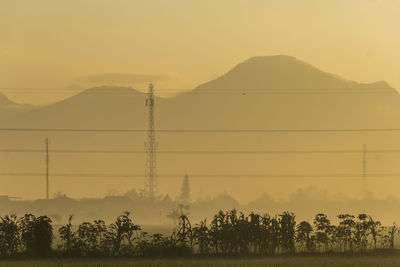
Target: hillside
5, 102
104, 107
281, 91
277, 92
261, 85
282, 73
9, 109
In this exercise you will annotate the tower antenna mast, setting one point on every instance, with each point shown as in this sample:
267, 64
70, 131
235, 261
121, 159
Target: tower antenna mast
151, 181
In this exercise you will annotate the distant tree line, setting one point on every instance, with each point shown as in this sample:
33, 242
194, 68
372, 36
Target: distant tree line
228, 233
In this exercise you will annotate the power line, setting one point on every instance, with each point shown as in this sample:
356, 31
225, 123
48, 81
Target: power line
110, 175
200, 151
131, 91
245, 93
333, 130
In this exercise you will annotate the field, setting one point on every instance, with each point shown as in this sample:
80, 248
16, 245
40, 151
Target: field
331, 261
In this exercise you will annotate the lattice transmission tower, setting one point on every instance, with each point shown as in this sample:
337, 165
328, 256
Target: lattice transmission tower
151, 181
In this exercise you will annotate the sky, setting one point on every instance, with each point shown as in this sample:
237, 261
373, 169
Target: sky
50, 49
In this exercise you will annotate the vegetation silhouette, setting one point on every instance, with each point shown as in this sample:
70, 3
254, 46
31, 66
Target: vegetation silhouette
29, 235
230, 233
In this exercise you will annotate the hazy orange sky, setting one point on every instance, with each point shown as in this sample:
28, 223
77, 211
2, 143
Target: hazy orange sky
48, 48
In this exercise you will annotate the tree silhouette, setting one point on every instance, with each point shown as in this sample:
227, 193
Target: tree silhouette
10, 238
36, 234
304, 236
287, 226
324, 231
68, 237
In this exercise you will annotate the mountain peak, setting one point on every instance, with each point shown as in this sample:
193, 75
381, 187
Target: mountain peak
271, 58
111, 90
279, 62
281, 73
5, 101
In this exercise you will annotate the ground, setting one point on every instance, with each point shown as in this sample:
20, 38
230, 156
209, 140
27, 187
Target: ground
329, 261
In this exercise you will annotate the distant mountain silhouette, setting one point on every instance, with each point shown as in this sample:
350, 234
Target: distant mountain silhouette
5, 102
282, 73
260, 84
104, 107
277, 92
9, 109
283, 92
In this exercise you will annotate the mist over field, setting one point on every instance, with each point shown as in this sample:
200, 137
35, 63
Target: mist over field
306, 203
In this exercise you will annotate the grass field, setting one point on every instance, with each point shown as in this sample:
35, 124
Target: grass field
371, 261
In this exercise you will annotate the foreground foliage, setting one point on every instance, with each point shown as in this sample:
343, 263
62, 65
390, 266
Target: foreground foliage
320, 261
228, 233
29, 234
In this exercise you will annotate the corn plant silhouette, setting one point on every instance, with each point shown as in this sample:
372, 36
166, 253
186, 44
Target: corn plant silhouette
36, 234
10, 240
229, 233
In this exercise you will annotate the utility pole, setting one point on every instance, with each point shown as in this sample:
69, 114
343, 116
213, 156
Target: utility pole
47, 168
364, 166
151, 182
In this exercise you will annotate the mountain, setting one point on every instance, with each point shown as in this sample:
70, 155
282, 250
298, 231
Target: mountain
260, 85
282, 73
5, 102
88, 109
284, 92
277, 92
10, 109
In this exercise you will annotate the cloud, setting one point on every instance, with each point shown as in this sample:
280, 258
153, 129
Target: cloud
123, 78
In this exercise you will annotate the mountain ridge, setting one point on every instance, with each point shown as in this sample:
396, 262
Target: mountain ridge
283, 73
255, 77
203, 109
5, 101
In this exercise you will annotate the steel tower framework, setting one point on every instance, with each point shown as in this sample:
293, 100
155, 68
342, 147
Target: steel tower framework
151, 179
